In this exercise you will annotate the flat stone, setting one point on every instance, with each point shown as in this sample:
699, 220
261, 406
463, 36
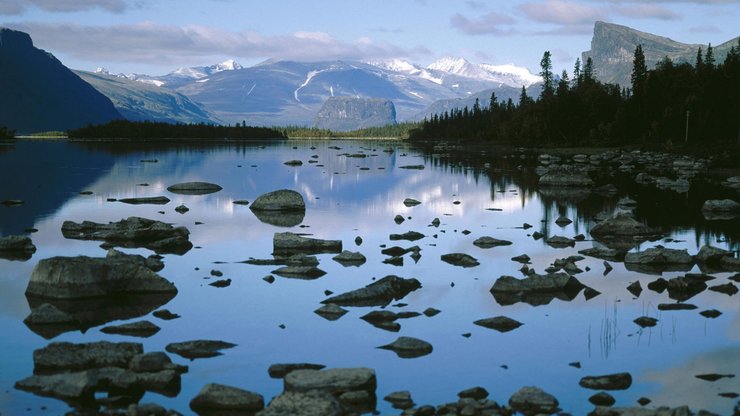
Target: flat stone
194, 188
293, 163
142, 329
299, 272
489, 242
66, 356
410, 202
560, 241
350, 258
618, 381
311, 403
165, 315
281, 370
151, 200
646, 321
198, 348
659, 255
410, 236
218, 397
334, 381
676, 307
330, 312
16, 247
603, 253
132, 232
291, 243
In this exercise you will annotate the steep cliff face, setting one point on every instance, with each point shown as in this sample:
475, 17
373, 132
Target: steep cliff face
38, 93
350, 113
613, 47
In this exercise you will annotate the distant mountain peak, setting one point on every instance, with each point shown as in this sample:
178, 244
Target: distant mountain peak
451, 64
396, 65
508, 74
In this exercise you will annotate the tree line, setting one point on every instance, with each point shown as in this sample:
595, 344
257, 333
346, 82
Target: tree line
159, 130
668, 105
400, 130
6, 133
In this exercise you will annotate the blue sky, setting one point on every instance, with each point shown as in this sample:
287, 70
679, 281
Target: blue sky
157, 36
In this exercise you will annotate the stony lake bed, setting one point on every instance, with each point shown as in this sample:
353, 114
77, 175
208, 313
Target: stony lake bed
391, 277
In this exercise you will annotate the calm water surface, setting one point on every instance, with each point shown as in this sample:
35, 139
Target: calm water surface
348, 197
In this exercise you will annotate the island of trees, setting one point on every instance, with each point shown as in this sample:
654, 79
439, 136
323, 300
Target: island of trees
157, 130
672, 104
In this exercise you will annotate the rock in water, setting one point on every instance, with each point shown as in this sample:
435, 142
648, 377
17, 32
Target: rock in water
350, 113
618, 381
282, 370
194, 188
142, 329
621, 225
349, 258
198, 348
132, 232
280, 200
379, 293
489, 242
533, 401
16, 247
216, 398
536, 289
153, 200
460, 259
291, 243
499, 323
87, 277
409, 347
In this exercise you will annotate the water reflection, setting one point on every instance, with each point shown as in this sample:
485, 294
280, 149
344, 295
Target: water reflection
347, 197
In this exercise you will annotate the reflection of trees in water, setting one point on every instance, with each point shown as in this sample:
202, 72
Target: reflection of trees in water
668, 210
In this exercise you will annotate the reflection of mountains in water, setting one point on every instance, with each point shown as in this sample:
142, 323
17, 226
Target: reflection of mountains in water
48, 174
509, 168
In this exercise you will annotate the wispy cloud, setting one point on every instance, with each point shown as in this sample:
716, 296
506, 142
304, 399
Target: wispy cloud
488, 24
705, 29
647, 11
156, 44
14, 7
562, 12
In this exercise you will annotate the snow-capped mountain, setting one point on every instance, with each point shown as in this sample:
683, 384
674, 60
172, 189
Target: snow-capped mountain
198, 72
511, 75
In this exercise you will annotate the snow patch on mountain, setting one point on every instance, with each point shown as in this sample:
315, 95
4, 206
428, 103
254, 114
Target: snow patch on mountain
508, 74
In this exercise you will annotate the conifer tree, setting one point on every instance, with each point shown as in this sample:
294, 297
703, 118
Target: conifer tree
523, 98
588, 70
709, 57
546, 74
563, 83
577, 71
699, 60
639, 71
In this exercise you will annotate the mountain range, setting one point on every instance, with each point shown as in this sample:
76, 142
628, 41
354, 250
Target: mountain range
279, 93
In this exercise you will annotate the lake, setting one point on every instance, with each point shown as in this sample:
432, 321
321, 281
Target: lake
358, 190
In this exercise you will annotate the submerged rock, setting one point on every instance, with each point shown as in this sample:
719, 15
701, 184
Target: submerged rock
214, 398
132, 232
409, 347
194, 188
499, 323
560, 242
410, 236
379, 293
290, 243
299, 272
410, 202
646, 321
331, 312
618, 381
198, 348
603, 253
460, 259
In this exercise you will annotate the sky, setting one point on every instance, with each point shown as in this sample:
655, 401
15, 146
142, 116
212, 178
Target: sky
157, 36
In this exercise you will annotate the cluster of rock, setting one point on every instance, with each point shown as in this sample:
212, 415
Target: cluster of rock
132, 232
79, 373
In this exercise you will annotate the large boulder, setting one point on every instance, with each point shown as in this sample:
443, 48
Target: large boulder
659, 255
334, 380
87, 277
409, 347
132, 232
282, 208
566, 178
620, 225
720, 209
379, 293
290, 243
311, 403
618, 381
280, 200
533, 401
16, 247
65, 356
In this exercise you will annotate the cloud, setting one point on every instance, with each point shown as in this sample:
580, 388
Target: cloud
14, 7
705, 29
476, 5
488, 24
156, 44
647, 11
562, 12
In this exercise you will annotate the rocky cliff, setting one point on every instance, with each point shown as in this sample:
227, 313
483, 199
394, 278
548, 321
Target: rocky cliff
38, 93
350, 113
613, 47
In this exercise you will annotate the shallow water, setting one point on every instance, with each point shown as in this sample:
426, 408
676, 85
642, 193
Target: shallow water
345, 201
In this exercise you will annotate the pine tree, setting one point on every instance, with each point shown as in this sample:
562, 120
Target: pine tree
523, 98
563, 83
709, 57
494, 101
546, 74
639, 71
588, 70
577, 72
699, 60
